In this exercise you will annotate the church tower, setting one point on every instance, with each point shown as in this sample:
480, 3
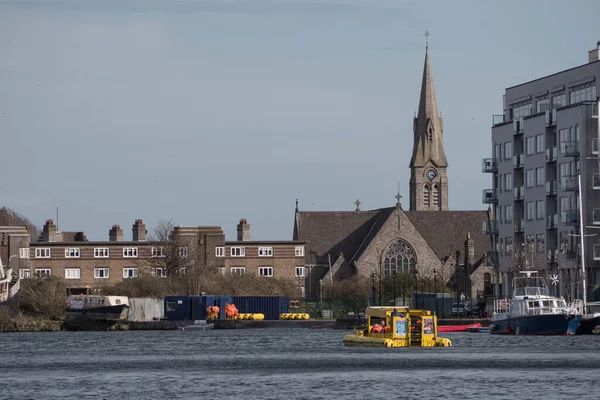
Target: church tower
428, 164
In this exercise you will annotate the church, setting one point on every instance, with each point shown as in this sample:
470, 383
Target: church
427, 241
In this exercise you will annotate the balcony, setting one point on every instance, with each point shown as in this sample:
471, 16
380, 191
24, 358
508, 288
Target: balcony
551, 154
489, 196
518, 161
596, 181
518, 126
551, 188
597, 252
518, 193
569, 149
550, 117
596, 216
595, 147
569, 183
519, 225
570, 217
490, 227
498, 119
489, 165
551, 221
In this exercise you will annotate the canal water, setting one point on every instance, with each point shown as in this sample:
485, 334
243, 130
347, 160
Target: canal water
292, 364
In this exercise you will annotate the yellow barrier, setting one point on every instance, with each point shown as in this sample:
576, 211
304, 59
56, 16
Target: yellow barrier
294, 316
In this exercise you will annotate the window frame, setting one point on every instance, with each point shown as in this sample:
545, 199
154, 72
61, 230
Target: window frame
39, 272
266, 271
240, 253
302, 270
130, 252
130, 269
24, 252
220, 251
78, 270
299, 251
72, 252
43, 252
101, 252
265, 251
97, 273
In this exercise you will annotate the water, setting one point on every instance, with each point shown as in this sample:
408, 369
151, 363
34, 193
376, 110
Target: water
292, 363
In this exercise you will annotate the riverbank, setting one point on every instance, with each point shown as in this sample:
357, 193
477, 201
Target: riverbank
28, 324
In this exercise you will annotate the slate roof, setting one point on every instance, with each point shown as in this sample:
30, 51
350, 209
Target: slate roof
349, 232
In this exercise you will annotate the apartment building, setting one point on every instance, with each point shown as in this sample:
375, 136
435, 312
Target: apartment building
546, 136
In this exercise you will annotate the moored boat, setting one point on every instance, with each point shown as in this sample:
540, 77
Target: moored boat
532, 311
458, 328
397, 327
96, 307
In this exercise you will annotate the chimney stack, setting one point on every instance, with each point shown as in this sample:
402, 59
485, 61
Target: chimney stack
243, 231
115, 234
594, 55
470, 249
49, 232
139, 231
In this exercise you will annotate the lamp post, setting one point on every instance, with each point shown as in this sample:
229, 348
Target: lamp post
394, 288
372, 288
379, 284
435, 290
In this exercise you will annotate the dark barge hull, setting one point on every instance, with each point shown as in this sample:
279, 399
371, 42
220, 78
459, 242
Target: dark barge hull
554, 324
108, 313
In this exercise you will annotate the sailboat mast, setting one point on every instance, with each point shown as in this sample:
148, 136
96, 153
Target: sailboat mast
582, 242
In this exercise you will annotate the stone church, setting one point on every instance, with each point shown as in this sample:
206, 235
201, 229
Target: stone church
427, 239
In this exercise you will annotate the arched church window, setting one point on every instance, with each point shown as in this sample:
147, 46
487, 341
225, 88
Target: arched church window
426, 192
430, 134
399, 257
436, 196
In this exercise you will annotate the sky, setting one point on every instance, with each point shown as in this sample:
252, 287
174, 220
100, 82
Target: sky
204, 112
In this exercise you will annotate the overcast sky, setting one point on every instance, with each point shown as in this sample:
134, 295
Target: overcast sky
209, 111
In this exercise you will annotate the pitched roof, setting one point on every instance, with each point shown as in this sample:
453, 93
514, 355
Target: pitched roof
445, 231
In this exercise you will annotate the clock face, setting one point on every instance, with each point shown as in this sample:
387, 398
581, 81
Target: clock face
431, 174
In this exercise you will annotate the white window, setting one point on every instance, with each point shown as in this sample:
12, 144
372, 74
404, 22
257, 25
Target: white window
265, 271
24, 273
238, 270
130, 252
42, 253
23, 252
299, 251
159, 272
183, 252
238, 251
101, 252
72, 273
220, 251
42, 272
265, 252
130, 272
72, 252
101, 273
158, 252
222, 271
299, 271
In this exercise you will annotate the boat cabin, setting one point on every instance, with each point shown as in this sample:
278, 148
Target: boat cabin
95, 301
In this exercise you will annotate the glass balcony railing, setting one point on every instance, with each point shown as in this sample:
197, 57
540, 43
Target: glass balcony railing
596, 216
570, 217
550, 188
519, 224
518, 193
597, 252
569, 149
489, 165
490, 227
569, 183
518, 161
489, 196
551, 154
596, 181
551, 221
595, 146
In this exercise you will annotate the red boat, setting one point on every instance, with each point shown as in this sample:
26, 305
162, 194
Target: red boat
457, 328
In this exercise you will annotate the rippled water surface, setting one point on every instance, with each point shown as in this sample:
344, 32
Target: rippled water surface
292, 363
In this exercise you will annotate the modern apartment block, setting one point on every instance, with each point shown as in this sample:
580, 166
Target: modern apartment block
547, 134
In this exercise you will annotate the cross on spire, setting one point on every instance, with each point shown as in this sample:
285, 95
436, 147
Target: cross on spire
358, 203
426, 34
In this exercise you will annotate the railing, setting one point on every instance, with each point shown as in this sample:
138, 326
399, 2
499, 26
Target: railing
519, 224
498, 119
489, 165
551, 221
489, 196
595, 181
551, 188
596, 216
501, 306
551, 117
490, 227
518, 126
597, 252
569, 183
595, 146
551, 154
569, 149
570, 217
518, 193
518, 161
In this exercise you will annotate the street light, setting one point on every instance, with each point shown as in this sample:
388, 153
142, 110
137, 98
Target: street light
435, 290
394, 288
373, 288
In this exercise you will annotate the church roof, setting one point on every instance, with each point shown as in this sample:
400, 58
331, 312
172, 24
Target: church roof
350, 232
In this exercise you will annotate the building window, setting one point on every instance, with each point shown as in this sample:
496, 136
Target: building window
540, 210
221, 270
530, 211
508, 182
581, 93
508, 246
543, 104
220, 251
42, 253
498, 152
72, 253
130, 252
539, 176
530, 145
508, 210
101, 252
265, 251
299, 271
265, 271
539, 143
426, 195
238, 251
159, 272
399, 257
72, 273
529, 178
540, 243
238, 270
130, 273
101, 273
559, 100
43, 272
23, 252
299, 251
519, 110
159, 252
24, 273
183, 252
507, 150
436, 196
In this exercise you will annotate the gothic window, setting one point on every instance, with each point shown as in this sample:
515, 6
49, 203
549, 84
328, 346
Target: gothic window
430, 134
425, 195
436, 196
400, 258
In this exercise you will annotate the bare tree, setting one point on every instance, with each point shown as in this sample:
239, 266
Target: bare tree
169, 256
10, 217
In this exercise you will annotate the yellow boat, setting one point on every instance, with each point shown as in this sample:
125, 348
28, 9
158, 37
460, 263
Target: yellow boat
397, 327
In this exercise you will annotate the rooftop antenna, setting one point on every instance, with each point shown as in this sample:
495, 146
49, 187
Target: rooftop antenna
57, 218
426, 34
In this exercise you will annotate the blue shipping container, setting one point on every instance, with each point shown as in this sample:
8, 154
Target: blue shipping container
177, 308
270, 306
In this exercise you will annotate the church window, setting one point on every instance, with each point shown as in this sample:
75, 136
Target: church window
400, 258
426, 196
436, 196
430, 134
